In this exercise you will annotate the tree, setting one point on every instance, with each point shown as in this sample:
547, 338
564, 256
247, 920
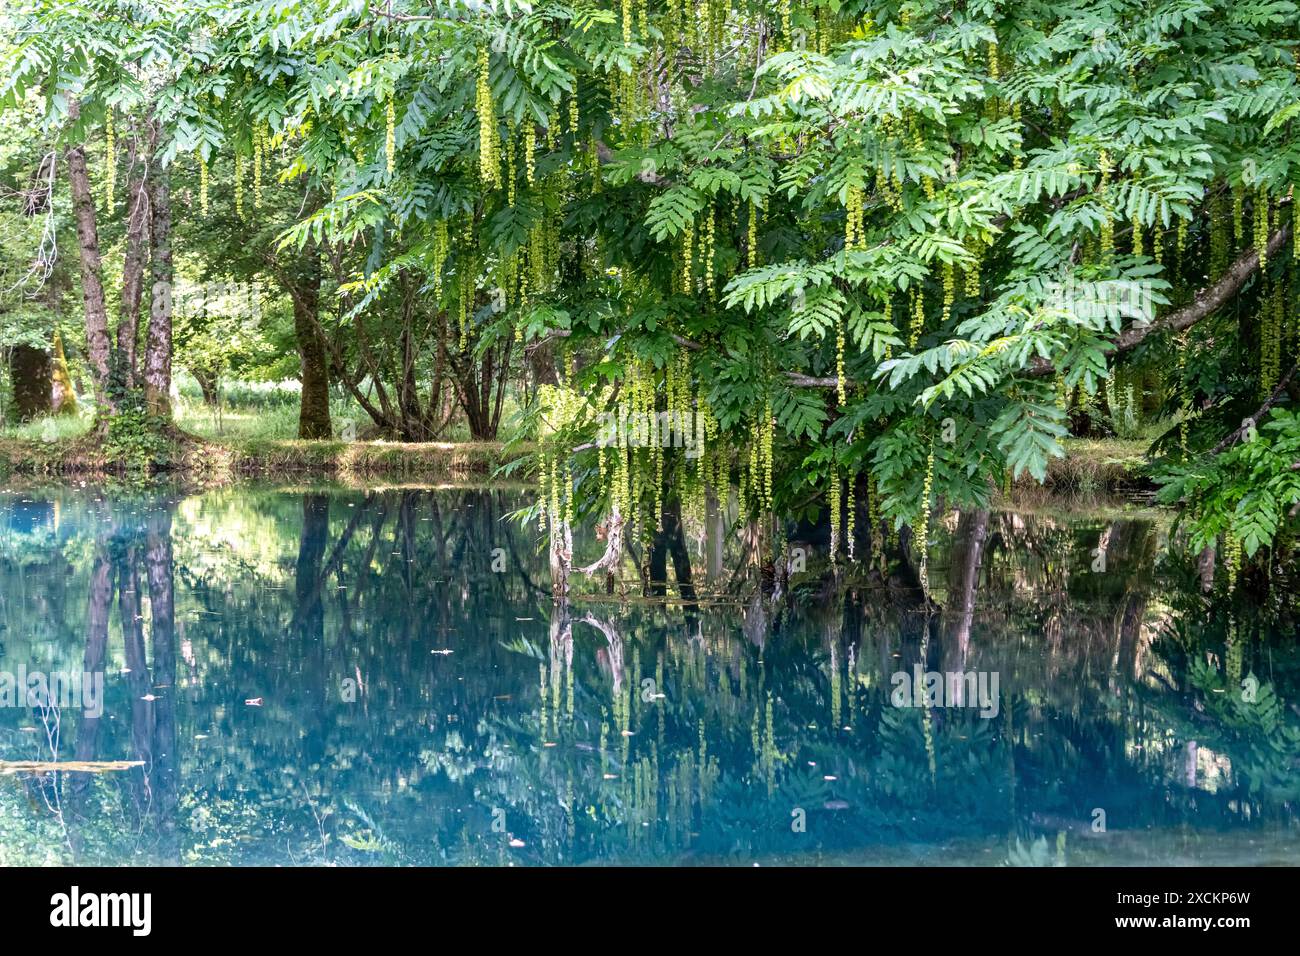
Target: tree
859, 250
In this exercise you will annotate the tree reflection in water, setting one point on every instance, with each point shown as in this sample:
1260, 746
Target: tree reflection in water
423, 700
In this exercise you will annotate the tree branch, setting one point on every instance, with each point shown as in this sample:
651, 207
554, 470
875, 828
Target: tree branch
1205, 303
1236, 434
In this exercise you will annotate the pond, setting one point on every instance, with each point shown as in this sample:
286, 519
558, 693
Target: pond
325, 676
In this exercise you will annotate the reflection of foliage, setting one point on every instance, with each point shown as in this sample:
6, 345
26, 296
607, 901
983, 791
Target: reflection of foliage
1261, 736
512, 747
1036, 854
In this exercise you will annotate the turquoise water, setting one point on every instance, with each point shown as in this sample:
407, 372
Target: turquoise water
357, 678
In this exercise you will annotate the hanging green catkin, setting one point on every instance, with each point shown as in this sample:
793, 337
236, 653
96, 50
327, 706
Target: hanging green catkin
489, 167
1238, 212
751, 478
510, 162
751, 239
972, 278
1185, 399
1295, 223
854, 226
259, 147
1107, 221
688, 273
110, 150
888, 309
390, 135
1233, 554
769, 429
441, 245
833, 503
918, 318
707, 252
840, 392
1259, 219
923, 526
239, 185
530, 149
203, 185
850, 517
949, 291
552, 130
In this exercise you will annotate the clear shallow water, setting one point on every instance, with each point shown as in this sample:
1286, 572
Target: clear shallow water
423, 701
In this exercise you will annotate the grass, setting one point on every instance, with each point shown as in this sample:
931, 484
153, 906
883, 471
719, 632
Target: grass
252, 444
1092, 464
268, 457
231, 457
256, 436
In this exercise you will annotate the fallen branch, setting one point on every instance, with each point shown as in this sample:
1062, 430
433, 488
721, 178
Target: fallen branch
68, 766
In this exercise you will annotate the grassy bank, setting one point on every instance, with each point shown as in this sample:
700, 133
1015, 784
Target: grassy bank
207, 460
1090, 466
1097, 464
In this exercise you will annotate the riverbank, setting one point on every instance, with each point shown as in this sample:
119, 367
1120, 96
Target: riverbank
1096, 464
1090, 465
207, 461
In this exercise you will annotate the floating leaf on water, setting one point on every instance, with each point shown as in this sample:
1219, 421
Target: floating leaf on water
70, 766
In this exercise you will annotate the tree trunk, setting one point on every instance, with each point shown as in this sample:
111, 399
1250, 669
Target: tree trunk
92, 271
1205, 568
209, 385
314, 536
481, 388
670, 542
128, 315
963, 579
30, 371
159, 575
541, 359
314, 407
158, 342
99, 601
63, 397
